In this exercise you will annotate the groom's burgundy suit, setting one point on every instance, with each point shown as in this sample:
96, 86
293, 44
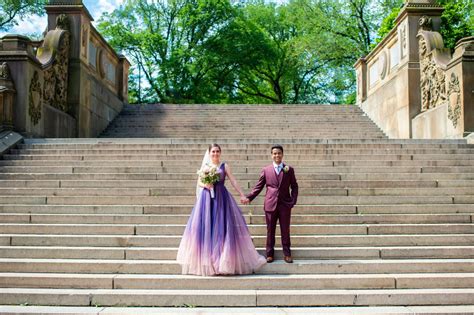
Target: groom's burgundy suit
278, 203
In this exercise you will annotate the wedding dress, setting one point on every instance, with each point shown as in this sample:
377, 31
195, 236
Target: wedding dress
216, 240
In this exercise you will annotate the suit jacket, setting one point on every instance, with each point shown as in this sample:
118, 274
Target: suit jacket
278, 188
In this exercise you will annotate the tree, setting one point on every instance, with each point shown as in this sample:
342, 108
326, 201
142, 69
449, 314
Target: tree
457, 21
165, 40
212, 51
12, 10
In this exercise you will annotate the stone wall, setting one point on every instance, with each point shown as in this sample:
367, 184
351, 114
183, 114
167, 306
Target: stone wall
394, 82
72, 84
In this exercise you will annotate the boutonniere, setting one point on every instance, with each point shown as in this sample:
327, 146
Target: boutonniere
286, 169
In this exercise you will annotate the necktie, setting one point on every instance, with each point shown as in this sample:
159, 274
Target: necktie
278, 169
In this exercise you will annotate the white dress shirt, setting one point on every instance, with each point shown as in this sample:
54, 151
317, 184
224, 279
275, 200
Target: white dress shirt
278, 167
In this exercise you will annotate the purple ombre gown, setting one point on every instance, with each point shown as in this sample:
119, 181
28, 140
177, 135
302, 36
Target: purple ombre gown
216, 240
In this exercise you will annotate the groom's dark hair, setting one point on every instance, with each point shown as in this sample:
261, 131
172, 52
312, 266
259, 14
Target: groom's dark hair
277, 146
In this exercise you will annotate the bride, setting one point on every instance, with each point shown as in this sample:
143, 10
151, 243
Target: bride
216, 240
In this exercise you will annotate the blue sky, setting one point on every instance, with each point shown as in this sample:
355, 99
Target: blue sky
37, 24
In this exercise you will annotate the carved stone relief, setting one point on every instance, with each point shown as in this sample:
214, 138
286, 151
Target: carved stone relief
454, 105
34, 96
432, 75
62, 22
382, 64
56, 77
4, 71
85, 39
359, 83
403, 40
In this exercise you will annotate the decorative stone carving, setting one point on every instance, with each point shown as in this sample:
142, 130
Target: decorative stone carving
7, 95
454, 105
433, 60
56, 78
62, 22
85, 39
359, 83
34, 96
426, 23
4, 71
422, 3
403, 40
383, 65
54, 54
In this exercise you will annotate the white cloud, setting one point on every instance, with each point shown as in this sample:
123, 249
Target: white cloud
96, 8
37, 24
32, 24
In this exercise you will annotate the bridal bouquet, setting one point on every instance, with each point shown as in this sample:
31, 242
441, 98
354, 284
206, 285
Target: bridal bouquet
209, 175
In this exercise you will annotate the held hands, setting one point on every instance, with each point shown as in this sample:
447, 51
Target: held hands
244, 200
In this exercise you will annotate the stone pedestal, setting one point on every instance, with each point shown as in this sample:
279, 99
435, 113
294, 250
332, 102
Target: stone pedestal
73, 85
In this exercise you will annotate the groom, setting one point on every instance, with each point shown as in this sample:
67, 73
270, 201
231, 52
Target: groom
278, 178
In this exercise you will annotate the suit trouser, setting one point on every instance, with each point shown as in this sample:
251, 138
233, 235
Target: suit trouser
283, 215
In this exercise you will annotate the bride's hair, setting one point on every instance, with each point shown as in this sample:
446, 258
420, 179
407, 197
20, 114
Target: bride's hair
214, 145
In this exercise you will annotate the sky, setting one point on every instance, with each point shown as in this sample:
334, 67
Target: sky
37, 24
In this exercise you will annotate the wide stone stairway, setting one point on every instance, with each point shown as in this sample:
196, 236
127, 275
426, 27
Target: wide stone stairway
89, 222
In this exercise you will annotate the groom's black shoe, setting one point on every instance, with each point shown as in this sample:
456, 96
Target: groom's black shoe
269, 259
288, 259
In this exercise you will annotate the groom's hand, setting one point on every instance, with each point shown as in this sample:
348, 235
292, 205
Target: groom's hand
244, 200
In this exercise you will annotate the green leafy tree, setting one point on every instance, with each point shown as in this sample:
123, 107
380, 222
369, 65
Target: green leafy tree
457, 21
11, 11
165, 40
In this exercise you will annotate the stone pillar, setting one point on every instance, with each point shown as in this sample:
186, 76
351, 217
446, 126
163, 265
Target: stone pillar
460, 88
361, 73
98, 76
7, 97
25, 70
388, 78
123, 78
79, 26
409, 20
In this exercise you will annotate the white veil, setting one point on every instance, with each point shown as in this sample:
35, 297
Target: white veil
205, 160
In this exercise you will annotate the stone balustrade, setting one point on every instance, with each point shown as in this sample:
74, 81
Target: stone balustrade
71, 84
411, 86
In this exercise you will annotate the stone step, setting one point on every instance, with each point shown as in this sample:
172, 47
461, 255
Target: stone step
258, 218
247, 282
131, 240
255, 229
253, 144
189, 200
183, 298
335, 183
251, 170
301, 253
191, 176
239, 166
182, 193
303, 184
300, 266
318, 310
400, 209
260, 154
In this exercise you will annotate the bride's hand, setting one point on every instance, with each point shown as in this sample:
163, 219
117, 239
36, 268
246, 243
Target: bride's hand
208, 186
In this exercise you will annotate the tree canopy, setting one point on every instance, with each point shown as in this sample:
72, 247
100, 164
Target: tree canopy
11, 11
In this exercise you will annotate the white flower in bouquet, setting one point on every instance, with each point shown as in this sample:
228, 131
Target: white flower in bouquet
209, 174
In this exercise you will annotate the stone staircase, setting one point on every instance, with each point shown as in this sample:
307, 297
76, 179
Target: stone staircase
379, 222
243, 122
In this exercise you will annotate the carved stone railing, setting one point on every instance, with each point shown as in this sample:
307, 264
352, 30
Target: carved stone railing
410, 75
446, 84
72, 85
